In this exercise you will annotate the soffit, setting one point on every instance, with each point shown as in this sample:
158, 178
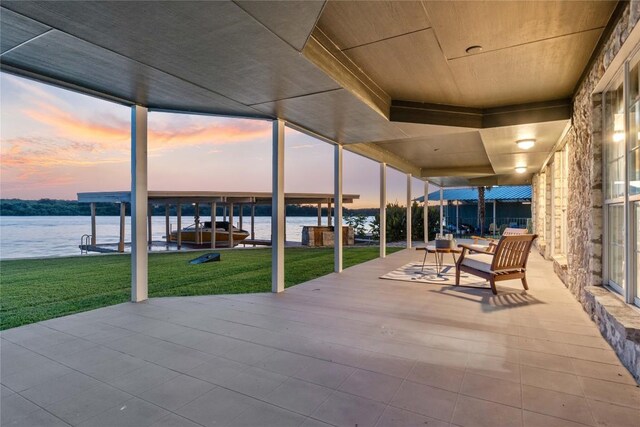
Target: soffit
355, 23
103, 71
215, 45
455, 151
17, 29
532, 51
505, 155
290, 20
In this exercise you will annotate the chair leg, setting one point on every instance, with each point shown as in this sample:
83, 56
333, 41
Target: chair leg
492, 282
524, 284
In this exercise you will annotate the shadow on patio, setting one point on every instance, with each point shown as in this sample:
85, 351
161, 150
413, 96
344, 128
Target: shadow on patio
344, 349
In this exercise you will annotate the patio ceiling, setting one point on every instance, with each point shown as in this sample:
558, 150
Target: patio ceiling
391, 80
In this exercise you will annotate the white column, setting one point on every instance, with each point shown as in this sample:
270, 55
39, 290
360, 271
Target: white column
277, 208
383, 210
123, 210
253, 222
441, 211
179, 225
425, 212
230, 225
93, 224
408, 211
212, 237
495, 223
337, 190
149, 227
458, 216
167, 223
139, 200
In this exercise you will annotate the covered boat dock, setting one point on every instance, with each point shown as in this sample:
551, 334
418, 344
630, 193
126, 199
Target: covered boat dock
227, 200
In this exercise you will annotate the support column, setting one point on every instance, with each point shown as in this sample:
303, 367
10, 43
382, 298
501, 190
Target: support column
93, 224
230, 225
383, 210
425, 212
337, 190
167, 223
408, 211
213, 225
277, 207
122, 224
441, 210
179, 225
253, 223
139, 201
196, 220
319, 214
495, 223
149, 228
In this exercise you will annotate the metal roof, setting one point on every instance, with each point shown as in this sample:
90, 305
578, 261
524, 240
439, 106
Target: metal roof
222, 197
503, 193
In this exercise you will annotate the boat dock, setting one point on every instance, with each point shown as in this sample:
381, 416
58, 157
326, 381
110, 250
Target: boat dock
202, 239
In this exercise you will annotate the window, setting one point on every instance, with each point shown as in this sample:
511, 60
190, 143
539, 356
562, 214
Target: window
621, 180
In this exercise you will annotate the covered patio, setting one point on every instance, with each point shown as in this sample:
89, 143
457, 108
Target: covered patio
345, 349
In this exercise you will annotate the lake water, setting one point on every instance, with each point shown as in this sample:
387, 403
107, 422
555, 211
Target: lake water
46, 236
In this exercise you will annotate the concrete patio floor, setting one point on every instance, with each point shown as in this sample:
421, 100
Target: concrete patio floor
344, 350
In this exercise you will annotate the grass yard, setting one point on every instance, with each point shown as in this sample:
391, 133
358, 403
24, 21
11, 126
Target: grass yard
39, 289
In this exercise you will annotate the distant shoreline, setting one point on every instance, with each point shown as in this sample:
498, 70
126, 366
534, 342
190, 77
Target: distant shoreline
54, 207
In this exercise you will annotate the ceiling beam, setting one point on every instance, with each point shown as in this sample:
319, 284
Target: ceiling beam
323, 53
480, 118
375, 153
470, 171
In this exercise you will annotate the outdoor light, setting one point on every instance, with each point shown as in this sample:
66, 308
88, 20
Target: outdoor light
525, 144
521, 169
474, 49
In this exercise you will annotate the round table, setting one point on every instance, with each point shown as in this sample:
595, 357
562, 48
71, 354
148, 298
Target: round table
439, 255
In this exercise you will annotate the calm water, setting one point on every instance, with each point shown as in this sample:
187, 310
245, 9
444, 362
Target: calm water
44, 236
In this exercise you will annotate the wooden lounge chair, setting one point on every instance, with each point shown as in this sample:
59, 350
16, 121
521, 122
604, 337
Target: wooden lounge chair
508, 261
491, 246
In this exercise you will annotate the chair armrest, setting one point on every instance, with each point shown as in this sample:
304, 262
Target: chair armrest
471, 248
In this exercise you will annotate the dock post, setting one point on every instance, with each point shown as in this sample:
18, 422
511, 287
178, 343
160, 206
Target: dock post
383, 210
167, 224
329, 213
231, 225
277, 207
139, 204
441, 212
122, 222
149, 221
409, 211
425, 213
179, 225
253, 223
213, 224
240, 218
224, 213
196, 215
337, 179
93, 224
319, 214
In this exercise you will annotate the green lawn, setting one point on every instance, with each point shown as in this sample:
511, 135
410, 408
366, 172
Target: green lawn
40, 289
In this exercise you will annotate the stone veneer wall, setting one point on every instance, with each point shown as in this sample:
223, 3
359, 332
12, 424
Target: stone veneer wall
585, 197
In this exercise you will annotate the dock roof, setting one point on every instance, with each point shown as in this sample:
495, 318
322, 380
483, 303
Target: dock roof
509, 193
222, 197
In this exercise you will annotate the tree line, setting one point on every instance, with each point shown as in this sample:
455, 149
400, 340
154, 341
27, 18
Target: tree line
53, 207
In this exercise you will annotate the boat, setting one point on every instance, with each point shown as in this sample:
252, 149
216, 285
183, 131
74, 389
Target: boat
202, 236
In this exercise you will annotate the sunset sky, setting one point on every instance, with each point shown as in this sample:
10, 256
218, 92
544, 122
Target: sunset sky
56, 143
